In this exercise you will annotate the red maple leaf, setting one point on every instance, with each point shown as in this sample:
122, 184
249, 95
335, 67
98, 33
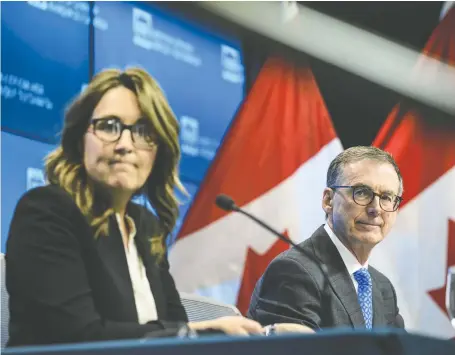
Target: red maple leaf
439, 295
255, 265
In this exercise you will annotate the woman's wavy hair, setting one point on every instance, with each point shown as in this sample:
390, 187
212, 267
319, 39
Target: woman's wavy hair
65, 167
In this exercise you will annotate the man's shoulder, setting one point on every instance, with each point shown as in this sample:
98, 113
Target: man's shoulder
379, 277
296, 254
304, 256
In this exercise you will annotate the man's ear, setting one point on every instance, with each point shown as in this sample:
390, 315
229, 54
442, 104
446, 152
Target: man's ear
327, 200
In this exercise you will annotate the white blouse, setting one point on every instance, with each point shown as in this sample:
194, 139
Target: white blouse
143, 296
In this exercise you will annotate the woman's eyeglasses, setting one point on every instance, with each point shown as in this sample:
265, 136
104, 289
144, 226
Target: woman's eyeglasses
110, 129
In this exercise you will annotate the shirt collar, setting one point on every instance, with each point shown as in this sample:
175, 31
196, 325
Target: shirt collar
352, 264
130, 224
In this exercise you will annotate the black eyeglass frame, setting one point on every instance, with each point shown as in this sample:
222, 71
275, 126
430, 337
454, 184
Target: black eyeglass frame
95, 121
398, 199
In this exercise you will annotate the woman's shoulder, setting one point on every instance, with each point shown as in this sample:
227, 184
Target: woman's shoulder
45, 215
49, 197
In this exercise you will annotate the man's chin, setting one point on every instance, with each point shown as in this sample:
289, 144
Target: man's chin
368, 237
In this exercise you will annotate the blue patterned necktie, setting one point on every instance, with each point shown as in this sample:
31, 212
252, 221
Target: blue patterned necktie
365, 294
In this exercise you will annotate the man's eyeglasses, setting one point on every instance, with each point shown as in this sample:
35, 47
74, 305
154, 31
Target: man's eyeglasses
364, 195
110, 129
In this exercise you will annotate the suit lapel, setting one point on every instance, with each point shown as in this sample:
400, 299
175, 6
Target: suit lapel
378, 305
112, 253
338, 276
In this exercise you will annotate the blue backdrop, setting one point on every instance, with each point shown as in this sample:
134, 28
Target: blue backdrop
45, 63
201, 74
22, 162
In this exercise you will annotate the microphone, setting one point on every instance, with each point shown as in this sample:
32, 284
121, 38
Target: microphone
226, 203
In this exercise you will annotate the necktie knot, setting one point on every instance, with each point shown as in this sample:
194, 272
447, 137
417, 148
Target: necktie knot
363, 277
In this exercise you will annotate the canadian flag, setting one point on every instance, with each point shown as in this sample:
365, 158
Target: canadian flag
273, 163
421, 247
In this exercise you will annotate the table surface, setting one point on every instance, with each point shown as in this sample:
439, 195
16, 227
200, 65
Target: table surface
325, 342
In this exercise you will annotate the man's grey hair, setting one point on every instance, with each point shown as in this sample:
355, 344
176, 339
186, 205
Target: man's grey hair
355, 154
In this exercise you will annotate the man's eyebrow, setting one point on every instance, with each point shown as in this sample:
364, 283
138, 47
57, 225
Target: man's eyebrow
361, 184
387, 191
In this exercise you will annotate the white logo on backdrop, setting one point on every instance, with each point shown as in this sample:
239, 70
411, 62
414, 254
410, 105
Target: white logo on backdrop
193, 144
142, 23
189, 134
78, 11
189, 129
26, 91
147, 36
35, 178
231, 65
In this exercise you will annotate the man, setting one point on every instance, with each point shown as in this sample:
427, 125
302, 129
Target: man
331, 283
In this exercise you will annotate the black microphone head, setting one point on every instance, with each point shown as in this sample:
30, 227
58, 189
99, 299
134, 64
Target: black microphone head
225, 203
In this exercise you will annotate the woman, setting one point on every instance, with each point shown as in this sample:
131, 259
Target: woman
83, 262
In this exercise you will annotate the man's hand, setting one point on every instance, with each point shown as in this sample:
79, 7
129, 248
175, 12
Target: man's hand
235, 325
284, 328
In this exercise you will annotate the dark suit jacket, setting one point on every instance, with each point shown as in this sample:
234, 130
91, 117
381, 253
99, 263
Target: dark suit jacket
66, 286
316, 290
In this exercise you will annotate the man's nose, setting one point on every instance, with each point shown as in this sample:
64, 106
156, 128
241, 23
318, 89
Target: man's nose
374, 207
